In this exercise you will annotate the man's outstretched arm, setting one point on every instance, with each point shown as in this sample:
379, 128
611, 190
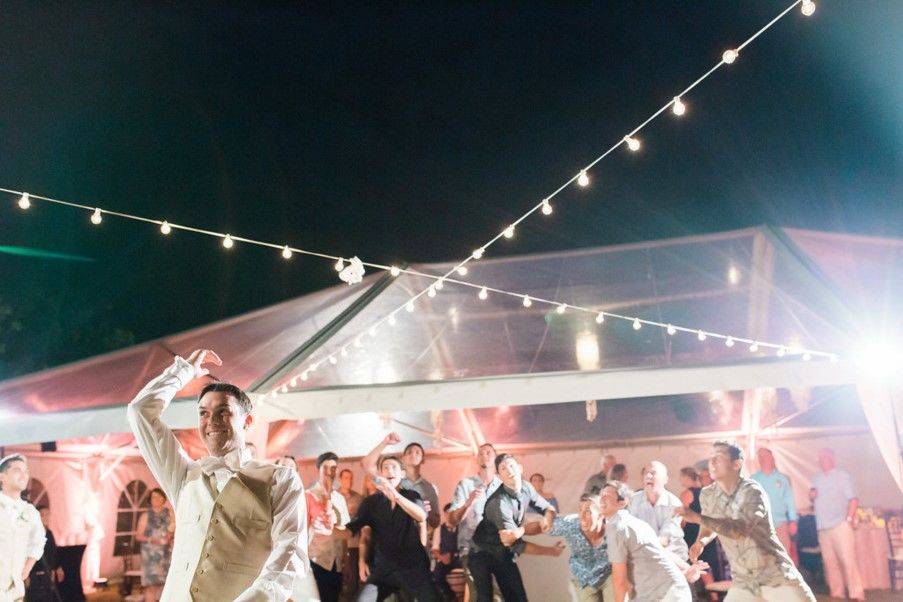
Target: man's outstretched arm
165, 457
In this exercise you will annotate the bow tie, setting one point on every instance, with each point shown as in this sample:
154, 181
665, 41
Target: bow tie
210, 464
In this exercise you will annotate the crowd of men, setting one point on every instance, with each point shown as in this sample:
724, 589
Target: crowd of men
247, 530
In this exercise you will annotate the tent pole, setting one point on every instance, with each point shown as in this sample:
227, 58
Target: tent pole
323, 335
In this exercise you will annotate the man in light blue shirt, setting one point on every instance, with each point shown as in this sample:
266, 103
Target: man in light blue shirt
835, 508
780, 499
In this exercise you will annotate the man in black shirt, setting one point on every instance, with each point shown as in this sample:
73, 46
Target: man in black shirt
395, 518
498, 539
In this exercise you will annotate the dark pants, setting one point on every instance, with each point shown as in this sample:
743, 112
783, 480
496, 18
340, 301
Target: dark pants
484, 566
350, 581
416, 582
441, 572
329, 582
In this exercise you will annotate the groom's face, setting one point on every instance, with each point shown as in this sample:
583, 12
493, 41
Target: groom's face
222, 423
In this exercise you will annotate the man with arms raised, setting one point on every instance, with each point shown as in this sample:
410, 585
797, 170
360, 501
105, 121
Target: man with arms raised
735, 510
21, 532
241, 531
396, 520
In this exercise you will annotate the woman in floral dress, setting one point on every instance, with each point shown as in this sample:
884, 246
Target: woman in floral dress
155, 530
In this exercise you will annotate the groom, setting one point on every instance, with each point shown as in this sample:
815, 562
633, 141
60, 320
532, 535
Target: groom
239, 531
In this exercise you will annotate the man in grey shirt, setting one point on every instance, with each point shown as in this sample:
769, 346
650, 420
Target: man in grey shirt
638, 560
413, 461
596, 482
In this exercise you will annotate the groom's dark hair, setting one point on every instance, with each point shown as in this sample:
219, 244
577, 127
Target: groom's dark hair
240, 396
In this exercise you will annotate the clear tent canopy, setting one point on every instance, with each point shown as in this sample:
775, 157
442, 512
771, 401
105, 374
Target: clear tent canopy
797, 288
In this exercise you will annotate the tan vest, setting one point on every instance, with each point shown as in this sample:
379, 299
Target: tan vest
222, 539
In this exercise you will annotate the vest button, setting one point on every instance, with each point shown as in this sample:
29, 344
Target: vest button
210, 538
196, 589
207, 555
215, 521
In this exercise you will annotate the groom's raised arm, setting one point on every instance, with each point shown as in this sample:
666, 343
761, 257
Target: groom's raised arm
158, 445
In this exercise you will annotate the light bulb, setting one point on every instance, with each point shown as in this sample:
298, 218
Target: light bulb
733, 275
636, 324
304, 375
96, 217
807, 356
439, 285
339, 265
333, 360
392, 320
678, 107
700, 335
671, 330
754, 348
583, 179
462, 270
483, 294
632, 143
286, 252
293, 382
729, 342
808, 7
546, 208
284, 389
395, 271
527, 301
478, 253
165, 228
344, 352
314, 366
600, 317
357, 342
24, 201
509, 232
729, 56
228, 242
409, 306
561, 308
431, 293
781, 351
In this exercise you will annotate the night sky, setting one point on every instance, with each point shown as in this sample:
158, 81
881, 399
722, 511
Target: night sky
409, 133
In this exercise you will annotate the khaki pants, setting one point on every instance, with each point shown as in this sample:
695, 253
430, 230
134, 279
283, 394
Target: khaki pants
784, 593
603, 593
838, 551
783, 532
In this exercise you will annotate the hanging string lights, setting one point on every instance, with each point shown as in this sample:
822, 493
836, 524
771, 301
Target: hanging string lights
677, 106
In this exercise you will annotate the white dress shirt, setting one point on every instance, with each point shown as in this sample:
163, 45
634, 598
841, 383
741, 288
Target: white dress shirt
18, 509
662, 519
170, 464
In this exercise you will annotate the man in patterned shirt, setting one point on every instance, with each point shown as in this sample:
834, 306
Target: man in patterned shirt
736, 509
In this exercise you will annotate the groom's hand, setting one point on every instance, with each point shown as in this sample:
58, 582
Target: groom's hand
199, 357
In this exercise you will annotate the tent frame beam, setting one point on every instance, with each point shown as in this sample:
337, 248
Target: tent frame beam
556, 387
